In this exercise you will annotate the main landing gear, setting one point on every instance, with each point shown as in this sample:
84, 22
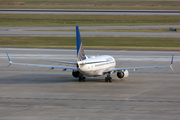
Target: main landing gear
108, 78
82, 78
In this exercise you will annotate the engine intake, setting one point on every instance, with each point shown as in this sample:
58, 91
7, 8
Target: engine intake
75, 74
122, 74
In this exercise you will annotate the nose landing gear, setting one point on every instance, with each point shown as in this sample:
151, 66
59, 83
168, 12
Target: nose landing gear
108, 78
82, 78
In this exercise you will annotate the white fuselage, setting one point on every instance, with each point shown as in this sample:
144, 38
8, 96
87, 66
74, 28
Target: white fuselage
96, 66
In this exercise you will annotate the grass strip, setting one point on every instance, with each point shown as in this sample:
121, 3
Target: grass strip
148, 43
90, 2
114, 30
85, 20
136, 7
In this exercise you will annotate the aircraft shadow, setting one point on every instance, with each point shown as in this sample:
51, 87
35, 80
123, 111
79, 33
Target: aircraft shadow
44, 78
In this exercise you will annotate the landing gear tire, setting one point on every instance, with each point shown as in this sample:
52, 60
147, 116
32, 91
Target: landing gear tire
108, 79
84, 79
81, 78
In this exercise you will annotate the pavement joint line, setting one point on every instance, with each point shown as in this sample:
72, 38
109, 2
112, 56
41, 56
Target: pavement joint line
78, 107
91, 100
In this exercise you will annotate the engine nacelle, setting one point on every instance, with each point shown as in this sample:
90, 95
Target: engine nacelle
75, 74
122, 74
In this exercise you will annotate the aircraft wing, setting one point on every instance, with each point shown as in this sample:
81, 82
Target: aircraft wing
38, 65
135, 68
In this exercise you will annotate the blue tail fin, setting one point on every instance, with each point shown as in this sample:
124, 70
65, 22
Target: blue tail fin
80, 51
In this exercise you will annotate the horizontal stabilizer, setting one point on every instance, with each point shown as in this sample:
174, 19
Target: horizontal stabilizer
74, 63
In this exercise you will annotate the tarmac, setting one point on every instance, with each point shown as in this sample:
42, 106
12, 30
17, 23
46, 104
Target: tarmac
24, 31
89, 12
33, 93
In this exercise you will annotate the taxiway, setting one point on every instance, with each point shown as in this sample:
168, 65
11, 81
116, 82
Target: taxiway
89, 12
39, 93
26, 31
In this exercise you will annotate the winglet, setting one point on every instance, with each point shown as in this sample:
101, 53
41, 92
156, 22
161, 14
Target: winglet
172, 59
8, 57
172, 63
9, 60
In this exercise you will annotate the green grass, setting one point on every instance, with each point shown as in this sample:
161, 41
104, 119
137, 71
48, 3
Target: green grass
137, 7
84, 20
89, 2
147, 43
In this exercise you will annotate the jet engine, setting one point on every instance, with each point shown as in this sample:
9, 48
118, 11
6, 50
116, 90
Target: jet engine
75, 74
122, 74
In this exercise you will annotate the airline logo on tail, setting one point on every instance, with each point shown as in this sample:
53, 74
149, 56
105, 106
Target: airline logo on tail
80, 51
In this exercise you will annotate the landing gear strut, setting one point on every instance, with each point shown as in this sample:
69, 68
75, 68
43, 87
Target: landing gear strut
108, 78
82, 78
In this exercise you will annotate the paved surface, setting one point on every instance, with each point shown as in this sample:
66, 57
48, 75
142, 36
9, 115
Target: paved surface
89, 27
89, 12
39, 93
21, 31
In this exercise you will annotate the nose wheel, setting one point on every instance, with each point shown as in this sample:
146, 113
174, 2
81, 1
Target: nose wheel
108, 78
82, 78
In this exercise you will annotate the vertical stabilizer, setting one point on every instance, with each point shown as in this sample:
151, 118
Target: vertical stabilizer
80, 51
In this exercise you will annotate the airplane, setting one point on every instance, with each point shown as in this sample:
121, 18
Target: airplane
92, 66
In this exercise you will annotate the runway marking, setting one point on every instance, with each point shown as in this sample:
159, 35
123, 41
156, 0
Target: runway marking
136, 94
19, 105
105, 100
81, 107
